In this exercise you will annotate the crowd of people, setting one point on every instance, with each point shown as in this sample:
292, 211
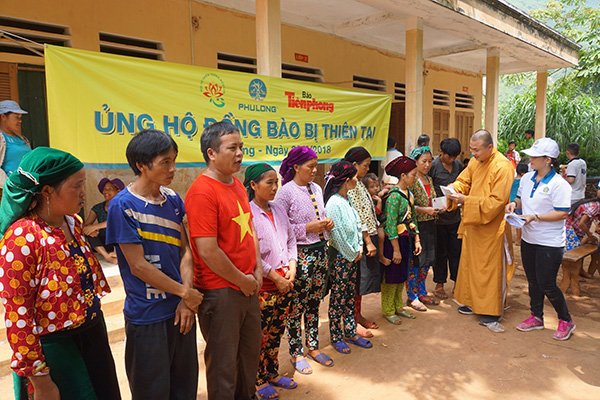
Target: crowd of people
249, 261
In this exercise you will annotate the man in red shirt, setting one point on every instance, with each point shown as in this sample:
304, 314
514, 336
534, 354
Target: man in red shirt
227, 267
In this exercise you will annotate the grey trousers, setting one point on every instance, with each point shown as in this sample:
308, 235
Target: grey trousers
230, 325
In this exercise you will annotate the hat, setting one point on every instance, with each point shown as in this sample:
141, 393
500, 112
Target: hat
10, 106
400, 165
544, 147
115, 182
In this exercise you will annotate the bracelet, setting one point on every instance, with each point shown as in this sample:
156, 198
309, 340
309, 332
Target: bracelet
537, 217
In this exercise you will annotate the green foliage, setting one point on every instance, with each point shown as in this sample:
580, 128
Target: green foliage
573, 97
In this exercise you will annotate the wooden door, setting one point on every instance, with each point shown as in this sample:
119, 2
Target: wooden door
464, 130
397, 125
441, 128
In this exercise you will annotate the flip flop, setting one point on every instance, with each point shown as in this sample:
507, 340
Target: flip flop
405, 314
322, 359
285, 382
267, 393
302, 366
393, 319
369, 325
342, 347
360, 342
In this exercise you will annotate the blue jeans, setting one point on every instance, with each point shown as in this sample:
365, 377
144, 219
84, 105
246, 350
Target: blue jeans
541, 264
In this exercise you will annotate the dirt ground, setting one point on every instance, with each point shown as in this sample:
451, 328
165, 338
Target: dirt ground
445, 355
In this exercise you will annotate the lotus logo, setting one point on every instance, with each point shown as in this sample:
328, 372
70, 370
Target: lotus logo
257, 89
213, 88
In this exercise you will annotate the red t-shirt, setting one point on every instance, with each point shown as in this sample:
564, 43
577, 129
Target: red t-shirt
216, 209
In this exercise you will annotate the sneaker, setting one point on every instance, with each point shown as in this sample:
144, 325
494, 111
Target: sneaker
565, 330
531, 324
495, 326
465, 310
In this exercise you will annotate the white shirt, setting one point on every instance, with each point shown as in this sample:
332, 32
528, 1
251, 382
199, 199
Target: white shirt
577, 168
389, 156
551, 193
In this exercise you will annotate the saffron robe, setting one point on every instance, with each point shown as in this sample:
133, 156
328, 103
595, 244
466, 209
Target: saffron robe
485, 262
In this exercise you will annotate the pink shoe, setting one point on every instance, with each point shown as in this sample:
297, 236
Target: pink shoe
531, 324
565, 330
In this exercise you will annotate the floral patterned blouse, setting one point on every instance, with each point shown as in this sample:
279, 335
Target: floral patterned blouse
46, 286
399, 209
422, 199
362, 202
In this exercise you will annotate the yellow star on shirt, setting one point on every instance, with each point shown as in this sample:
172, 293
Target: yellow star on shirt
243, 220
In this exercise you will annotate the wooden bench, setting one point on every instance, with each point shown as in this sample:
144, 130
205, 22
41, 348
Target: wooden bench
573, 263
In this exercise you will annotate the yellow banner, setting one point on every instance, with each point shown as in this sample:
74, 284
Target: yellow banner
97, 101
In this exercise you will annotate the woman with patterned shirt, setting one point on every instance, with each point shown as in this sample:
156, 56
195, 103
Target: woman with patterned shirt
401, 238
424, 193
51, 284
369, 270
345, 252
302, 199
578, 227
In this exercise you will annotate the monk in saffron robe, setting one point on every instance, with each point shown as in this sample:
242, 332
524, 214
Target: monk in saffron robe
483, 190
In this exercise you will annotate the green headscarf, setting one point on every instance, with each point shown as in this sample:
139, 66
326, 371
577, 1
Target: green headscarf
254, 172
419, 151
41, 166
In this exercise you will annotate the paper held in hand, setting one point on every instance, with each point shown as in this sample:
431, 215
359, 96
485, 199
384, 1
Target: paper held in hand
440, 203
515, 220
448, 190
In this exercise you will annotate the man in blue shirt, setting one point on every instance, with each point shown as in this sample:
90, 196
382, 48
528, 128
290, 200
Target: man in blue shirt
145, 222
13, 145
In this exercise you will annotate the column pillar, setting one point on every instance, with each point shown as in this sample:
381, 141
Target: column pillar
492, 86
540, 104
268, 37
414, 82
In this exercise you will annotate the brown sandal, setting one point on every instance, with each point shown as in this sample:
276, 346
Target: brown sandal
439, 292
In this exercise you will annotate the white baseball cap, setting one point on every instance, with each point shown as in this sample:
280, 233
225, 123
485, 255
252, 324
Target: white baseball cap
10, 106
544, 147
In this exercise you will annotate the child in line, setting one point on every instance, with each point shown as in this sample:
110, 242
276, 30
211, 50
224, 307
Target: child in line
401, 238
345, 253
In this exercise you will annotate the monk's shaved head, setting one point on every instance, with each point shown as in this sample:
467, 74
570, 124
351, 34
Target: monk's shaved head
484, 136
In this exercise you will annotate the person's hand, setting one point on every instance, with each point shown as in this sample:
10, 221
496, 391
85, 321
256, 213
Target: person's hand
45, 388
371, 250
283, 285
91, 231
249, 285
192, 298
418, 248
184, 317
510, 207
457, 197
329, 224
358, 256
429, 211
528, 218
396, 257
317, 226
291, 274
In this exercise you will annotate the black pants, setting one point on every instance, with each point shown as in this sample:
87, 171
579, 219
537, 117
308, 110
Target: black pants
100, 240
231, 325
541, 264
447, 253
161, 362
